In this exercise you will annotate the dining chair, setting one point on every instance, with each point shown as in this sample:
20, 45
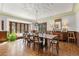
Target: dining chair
37, 43
55, 43
24, 36
27, 39
71, 36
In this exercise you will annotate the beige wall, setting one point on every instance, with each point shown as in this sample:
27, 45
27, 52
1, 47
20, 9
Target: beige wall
76, 11
77, 21
71, 22
69, 19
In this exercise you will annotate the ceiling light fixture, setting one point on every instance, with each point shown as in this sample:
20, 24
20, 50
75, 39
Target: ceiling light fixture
36, 17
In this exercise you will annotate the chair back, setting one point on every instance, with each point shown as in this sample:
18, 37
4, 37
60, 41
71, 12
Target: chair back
36, 37
71, 35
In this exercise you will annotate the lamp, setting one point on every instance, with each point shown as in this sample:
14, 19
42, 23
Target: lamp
65, 26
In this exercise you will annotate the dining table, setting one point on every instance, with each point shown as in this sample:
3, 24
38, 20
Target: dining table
44, 38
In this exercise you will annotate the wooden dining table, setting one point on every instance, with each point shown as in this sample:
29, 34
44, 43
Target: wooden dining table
48, 36
44, 38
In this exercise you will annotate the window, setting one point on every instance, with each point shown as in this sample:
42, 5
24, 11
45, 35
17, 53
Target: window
2, 25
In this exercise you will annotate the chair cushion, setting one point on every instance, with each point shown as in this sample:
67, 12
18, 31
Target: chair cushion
54, 41
38, 41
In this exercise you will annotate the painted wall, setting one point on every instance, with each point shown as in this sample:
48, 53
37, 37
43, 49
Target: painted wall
76, 10
77, 21
70, 21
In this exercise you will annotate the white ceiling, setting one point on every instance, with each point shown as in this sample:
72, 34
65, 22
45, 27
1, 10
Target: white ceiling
28, 10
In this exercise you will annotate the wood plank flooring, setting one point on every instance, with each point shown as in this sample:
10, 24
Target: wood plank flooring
18, 48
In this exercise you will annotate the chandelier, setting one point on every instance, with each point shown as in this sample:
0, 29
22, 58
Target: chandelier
36, 16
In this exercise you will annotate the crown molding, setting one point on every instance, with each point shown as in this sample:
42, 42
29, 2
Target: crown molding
15, 17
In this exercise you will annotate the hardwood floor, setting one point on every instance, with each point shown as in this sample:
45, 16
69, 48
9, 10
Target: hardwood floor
18, 48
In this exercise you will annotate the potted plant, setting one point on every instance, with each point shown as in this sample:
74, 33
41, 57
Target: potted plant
11, 37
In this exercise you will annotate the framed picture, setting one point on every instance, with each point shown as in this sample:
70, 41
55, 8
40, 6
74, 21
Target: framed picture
58, 25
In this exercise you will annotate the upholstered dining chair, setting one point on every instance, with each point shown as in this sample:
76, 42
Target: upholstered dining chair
55, 42
37, 43
27, 39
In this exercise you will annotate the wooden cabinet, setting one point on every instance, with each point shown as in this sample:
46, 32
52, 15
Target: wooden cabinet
59, 34
77, 37
62, 35
3, 36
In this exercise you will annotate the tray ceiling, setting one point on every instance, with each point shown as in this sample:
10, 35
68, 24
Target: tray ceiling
28, 10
